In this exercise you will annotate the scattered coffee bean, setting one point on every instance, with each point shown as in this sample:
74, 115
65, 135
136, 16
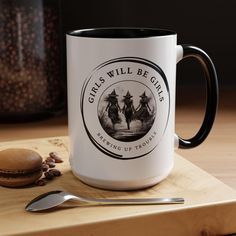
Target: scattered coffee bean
47, 164
48, 175
55, 172
51, 164
55, 156
49, 159
41, 182
45, 167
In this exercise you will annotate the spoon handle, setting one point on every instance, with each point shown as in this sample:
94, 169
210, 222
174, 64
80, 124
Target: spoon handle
136, 201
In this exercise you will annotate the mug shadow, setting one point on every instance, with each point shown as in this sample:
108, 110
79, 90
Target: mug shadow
72, 184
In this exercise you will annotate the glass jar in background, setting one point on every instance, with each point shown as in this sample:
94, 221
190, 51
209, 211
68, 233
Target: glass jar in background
31, 63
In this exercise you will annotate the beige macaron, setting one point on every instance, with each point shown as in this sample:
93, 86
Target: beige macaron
19, 167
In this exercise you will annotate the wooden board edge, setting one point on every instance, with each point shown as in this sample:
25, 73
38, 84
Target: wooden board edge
219, 219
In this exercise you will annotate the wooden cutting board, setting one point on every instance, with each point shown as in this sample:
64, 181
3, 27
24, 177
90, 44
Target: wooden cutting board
210, 207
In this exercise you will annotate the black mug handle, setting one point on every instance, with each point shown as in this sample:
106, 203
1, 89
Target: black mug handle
212, 95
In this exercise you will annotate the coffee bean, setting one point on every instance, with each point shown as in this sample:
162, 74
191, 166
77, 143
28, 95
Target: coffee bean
55, 172
41, 182
55, 156
45, 167
48, 175
49, 159
51, 164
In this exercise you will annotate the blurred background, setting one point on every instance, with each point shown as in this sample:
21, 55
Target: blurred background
37, 89
209, 25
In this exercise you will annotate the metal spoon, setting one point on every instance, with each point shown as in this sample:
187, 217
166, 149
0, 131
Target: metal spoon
54, 198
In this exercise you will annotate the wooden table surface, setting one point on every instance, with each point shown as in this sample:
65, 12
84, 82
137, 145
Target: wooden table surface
217, 155
206, 201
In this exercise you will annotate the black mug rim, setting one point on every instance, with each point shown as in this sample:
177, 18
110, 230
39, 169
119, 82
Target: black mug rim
121, 32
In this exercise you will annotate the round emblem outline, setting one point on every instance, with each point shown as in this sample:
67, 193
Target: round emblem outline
122, 59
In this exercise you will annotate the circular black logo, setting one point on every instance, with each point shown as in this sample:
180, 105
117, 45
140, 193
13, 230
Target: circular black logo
125, 107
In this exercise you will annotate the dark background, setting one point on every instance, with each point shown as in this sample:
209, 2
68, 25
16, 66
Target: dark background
210, 25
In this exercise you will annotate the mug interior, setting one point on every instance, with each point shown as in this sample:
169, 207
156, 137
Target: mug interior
121, 32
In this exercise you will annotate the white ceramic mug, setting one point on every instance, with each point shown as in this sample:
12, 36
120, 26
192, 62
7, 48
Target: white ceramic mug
121, 104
